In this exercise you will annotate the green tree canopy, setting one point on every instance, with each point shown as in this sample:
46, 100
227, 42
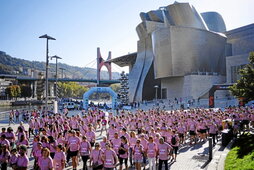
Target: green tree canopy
26, 91
244, 88
71, 89
13, 91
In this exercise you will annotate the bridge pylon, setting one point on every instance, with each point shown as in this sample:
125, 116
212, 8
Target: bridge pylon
100, 63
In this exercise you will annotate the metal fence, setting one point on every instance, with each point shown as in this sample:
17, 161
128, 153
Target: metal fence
4, 115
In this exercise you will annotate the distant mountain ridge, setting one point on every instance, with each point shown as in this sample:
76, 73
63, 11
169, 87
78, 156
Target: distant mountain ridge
11, 65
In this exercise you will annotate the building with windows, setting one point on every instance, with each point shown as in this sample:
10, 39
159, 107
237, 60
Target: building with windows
240, 42
184, 53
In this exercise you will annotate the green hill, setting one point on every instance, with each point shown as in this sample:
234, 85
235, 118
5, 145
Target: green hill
11, 65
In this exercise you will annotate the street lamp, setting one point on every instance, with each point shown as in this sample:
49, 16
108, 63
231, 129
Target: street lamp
56, 57
47, 65
156, 91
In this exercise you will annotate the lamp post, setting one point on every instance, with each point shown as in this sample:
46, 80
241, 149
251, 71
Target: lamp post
56, 57
47, 66
156, 91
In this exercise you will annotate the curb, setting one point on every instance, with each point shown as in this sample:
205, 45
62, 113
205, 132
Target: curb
218, 161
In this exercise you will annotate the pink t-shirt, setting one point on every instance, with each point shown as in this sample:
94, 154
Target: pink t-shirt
96, 156
24, 142
111, 133
90, 136
110, 156
103, 145
58, 159
13, 159
144, 143
45, 163
10, 136
37, 154
5, 142
4, 156
137, 152
151, 150
164, 151
61, 141
85, 148
133, 142
52, 147
116, 144
74, 143
22, 161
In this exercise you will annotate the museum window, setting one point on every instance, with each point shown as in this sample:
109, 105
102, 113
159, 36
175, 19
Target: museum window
164, 93
235, 73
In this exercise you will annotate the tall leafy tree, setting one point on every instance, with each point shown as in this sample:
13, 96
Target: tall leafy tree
26, 91
244, 88
13, 91
71, 89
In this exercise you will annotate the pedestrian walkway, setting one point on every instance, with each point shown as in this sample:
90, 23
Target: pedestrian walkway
189, 157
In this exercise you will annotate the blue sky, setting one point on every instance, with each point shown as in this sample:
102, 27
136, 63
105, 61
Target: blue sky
80, 26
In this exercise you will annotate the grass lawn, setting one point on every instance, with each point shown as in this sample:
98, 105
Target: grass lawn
241, 156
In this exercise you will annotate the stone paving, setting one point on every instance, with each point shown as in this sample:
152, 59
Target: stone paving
189, 157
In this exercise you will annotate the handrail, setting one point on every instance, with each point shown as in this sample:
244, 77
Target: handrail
4, 115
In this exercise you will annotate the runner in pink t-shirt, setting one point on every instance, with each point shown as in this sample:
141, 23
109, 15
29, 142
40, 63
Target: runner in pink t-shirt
123, 152
22, 160
116, 142
59, 158
151, 153
174, 142
74, 145
97, 157
85, 150
110, 158
13, 158
45, 162
138, 151
164, 150
90, 134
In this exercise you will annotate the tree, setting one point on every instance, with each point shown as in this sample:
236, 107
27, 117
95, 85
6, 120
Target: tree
13, 91
115, 87
26, 91
71, 89
244, 88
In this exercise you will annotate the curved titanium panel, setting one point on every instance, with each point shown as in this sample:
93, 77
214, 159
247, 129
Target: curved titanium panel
184, 15
180, 51
155, 15
147, 65
141, 30
214, 21
135, 74
140, 69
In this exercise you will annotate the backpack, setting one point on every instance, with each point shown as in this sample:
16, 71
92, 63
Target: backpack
121, 151
173, 140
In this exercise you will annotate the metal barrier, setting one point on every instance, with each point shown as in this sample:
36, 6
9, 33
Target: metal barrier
4, 115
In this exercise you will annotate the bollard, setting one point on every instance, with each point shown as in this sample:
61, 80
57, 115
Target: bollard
210, 139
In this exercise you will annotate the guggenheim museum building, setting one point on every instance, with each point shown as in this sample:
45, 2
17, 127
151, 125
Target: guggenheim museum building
184, 53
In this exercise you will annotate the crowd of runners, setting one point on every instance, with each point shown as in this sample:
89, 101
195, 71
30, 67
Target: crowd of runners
131, 139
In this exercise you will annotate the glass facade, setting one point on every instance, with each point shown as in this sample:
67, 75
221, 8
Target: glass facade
235, 73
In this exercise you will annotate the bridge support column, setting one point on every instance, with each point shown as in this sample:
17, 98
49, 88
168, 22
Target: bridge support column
100, 63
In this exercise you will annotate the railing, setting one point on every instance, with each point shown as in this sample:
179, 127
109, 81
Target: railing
4, 115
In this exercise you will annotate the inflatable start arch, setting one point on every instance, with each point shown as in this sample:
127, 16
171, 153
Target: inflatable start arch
99, 90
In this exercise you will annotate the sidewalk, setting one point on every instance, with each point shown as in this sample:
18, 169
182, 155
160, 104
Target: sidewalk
189, 158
